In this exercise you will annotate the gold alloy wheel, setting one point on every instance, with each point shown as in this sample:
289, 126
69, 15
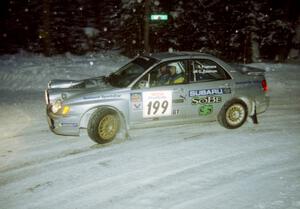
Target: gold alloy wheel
235, 114
108, 127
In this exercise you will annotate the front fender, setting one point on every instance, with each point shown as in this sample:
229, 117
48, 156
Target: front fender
120, 106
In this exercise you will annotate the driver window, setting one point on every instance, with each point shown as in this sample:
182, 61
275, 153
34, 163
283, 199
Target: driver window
170, 73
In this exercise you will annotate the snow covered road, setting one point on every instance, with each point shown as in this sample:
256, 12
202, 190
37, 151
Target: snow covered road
201, 166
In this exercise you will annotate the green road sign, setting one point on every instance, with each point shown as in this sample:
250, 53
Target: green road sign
158, 17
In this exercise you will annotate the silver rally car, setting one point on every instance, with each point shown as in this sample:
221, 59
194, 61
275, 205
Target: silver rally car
155, 90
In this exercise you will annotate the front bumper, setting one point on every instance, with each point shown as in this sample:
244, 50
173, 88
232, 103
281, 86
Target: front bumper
68, 126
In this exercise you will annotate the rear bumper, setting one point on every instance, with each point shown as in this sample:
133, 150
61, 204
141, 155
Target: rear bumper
262, 106
68, 126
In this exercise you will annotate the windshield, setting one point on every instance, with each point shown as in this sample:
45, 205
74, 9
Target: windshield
127, 74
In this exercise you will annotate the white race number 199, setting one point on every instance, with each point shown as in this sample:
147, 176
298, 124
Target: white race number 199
157, 103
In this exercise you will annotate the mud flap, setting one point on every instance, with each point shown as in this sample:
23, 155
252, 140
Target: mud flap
254, 116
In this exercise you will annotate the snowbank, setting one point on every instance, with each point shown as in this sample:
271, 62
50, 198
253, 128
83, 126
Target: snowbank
26, 71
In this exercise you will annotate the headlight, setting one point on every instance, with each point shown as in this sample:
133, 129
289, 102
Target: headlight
59, 108
56, 106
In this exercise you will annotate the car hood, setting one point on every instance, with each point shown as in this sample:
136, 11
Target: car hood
65, 89
86, 83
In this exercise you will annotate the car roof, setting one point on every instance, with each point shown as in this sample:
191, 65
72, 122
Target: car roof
182, 54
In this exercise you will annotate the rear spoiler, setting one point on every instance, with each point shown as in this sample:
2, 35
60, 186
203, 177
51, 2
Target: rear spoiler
247, 69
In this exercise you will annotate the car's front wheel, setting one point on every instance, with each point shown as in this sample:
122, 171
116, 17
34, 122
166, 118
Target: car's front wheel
103, 126
233, 114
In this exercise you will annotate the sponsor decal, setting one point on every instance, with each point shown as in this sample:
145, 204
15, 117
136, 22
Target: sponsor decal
69, 124
175, 112
107, 96
137, 106
243, 82
209, 66
136, 101
178, 100
206, 110
204, 71
136, 97
207, 92
247, 82
206, 100
91, 97
157, 104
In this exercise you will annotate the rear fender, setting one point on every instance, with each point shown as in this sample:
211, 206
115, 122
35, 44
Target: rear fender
249, 103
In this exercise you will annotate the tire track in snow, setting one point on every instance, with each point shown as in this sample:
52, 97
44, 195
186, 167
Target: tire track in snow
114, 184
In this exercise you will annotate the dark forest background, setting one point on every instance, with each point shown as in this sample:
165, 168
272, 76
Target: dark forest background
232, 29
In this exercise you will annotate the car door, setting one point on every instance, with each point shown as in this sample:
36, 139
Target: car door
156, 99
209, 88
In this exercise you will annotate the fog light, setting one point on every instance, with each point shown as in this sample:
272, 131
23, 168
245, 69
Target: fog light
66, 110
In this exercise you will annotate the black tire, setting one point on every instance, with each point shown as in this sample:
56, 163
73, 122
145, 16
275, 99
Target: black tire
233, 114
103, 126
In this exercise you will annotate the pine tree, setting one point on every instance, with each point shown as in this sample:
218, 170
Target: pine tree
131, 27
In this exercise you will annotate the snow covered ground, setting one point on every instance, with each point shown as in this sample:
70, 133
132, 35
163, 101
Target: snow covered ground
201, 166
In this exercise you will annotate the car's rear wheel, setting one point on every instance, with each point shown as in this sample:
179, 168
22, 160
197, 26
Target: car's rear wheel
233, 114
103, 126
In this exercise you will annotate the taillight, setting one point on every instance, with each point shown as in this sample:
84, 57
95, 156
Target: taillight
264, 85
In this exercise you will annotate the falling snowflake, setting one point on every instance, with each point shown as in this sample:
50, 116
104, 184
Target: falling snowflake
156, 3
133, 41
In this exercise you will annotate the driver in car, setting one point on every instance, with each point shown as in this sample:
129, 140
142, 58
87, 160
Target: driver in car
164, 75
175, 78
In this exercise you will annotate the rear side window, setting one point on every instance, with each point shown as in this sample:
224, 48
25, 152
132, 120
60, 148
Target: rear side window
203, 70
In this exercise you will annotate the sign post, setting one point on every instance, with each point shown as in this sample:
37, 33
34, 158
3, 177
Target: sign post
155, 18
146, 26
